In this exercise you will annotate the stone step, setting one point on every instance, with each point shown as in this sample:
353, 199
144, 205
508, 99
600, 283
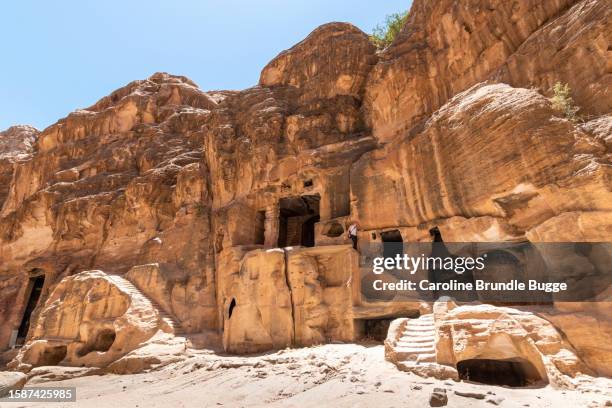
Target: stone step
419, 329
417, 339
417, 357
414, 350
422, 344
429, 333
415, 346
413, 329
407, 364
171, 322
414, 353
427, 357
420, 326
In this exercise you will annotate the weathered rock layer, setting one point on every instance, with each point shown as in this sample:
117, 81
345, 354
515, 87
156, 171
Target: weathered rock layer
191, 196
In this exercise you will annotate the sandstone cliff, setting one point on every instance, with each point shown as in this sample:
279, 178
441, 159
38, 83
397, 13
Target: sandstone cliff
190, 194
16, 145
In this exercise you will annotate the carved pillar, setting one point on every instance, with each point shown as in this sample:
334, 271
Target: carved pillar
271, 226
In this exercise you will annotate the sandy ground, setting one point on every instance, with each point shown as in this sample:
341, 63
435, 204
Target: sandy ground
334, 375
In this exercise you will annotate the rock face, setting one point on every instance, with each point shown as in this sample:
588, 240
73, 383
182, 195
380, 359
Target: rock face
116, 185
579, 37
222, 215
292, 296
89, 319
16, 145
444, 48
575, 318
334, 60
550, 166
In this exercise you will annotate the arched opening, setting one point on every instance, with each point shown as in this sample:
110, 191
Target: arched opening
35, 287
104, 340
516, 372
230, 309
504, 263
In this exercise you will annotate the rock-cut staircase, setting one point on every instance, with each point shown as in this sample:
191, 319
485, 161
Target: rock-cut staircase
417, 342
411, 346
137, 295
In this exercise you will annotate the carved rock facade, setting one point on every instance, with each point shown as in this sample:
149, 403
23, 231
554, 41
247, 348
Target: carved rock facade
228, 210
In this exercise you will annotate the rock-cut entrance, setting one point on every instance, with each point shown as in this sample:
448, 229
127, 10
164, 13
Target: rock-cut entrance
516, 372
297, 219
393, 243
36, 286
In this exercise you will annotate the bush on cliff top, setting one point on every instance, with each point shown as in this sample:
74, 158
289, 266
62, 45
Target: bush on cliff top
384, 34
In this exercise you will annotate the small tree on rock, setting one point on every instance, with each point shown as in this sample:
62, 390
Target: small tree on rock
562, 101
383, 35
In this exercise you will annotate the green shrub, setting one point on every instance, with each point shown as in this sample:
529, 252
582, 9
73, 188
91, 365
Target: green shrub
383, 35
562, 101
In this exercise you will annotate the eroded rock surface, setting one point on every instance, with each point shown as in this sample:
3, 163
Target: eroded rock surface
16, 145
227, 211
89, 319
444, 48
495, 345
491, 151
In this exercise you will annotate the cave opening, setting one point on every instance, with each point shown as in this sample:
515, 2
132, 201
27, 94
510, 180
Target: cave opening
297, 219
35, 290
436, 273
435, 234
516, 372
230, 309
373, 329
392, 242
102, 342
51, 356
438, 247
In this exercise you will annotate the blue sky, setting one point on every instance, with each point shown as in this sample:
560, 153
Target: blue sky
61, 55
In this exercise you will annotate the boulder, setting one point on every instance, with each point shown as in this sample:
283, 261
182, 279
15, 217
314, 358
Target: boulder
90, 319
11, 380
438, 398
